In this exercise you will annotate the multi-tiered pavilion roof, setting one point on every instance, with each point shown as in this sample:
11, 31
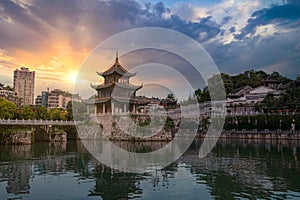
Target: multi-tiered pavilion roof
116, 94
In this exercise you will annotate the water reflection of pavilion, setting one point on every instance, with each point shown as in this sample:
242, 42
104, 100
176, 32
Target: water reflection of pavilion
233, 168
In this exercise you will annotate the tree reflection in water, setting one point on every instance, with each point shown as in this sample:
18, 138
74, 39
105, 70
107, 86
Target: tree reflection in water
235, 169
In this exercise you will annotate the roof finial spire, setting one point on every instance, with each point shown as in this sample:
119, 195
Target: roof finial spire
117, 58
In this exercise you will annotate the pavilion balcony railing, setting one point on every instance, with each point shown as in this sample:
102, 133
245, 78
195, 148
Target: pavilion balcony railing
115, 96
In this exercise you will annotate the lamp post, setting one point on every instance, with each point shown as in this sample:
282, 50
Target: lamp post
280, 121
293, 125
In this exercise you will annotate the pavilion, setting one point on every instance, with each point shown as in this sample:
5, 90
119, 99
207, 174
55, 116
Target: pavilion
116, 94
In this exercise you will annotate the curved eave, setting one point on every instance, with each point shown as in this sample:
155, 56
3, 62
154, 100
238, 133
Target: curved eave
102, 100
102, 86
126, 86
93, 86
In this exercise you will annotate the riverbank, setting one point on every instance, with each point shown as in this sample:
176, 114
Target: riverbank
254, 135
26, 134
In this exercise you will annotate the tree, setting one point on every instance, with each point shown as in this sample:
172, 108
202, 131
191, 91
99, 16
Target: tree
42, 113
27, 113
202, 95
7, 109
69, 109
279, 77
57, 114
78, 109
171, 96
270, 102
228, 84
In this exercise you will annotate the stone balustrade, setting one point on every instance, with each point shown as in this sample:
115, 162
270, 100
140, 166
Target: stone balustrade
35, 122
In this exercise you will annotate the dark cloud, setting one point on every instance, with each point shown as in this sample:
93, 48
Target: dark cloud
85, 23
284, 15
160, 8
21, 16
226, 20
202, 30
232, 30
259, 53
142, 56
24, 31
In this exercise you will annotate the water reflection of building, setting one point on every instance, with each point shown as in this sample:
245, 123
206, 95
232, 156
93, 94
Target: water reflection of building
232, 170
111, 184
142, 146
18, 179
245, 169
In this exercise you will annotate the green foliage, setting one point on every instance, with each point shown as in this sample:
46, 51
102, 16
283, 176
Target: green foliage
69, 110
57, 114
169, 122
228, 84
27, 113
171, 96
270, 102
289, 100
249, 78
202, 95
7, 109
42, 113
279, 77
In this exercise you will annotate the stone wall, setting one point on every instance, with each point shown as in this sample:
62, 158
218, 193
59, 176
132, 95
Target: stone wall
25, 135
257, 135
19, 137
125, 129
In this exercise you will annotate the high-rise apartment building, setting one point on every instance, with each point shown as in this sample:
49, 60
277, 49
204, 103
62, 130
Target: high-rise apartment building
24, 85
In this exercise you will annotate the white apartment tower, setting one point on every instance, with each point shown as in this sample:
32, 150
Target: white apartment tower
24, 85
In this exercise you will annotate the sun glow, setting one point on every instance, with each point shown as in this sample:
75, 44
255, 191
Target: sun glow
72, 76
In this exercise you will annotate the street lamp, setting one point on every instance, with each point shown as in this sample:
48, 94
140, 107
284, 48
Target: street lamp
293, 125
280, 121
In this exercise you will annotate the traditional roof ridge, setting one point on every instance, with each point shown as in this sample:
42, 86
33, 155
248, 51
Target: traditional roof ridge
268, 89
241, 88
116, 67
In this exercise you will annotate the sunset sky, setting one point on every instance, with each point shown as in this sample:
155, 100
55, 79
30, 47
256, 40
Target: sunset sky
53, 37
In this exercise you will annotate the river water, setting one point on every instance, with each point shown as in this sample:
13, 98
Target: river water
235, 169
